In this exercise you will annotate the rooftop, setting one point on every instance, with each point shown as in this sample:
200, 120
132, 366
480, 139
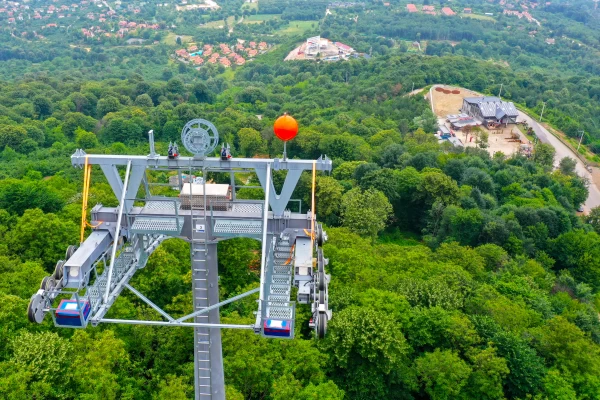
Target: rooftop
493, 106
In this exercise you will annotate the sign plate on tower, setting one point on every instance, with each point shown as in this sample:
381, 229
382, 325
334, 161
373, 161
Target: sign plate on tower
200, 137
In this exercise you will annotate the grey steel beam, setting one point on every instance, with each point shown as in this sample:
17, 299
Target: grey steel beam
135, 179
113, 178
117, 232
150, 303
78, 159
280, 201
182, 324
224, 302
263, 257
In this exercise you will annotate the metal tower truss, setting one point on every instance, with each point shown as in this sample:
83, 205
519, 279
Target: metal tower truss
87, 283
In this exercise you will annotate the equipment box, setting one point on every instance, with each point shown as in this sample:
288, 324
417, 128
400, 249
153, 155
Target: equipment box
218, 196
67, 313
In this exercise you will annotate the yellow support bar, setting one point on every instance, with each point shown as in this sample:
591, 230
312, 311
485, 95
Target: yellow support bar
87, 175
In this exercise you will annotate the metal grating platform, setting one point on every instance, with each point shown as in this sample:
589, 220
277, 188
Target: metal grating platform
151, 225
166, 207
234, 227
280, 312
247, 208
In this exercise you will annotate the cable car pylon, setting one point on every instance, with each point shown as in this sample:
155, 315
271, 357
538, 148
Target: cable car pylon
87, 283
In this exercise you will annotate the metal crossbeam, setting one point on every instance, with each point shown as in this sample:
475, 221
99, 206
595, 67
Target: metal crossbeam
150, 303
183, 324
207, 309
212, 163
117, 232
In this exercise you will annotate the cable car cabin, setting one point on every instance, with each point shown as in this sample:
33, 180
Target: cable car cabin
278, 328
69, 313
217, 195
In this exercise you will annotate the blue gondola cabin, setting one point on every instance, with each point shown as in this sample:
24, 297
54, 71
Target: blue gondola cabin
67, 313
273, 327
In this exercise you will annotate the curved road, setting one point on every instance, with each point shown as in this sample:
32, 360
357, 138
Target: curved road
562, 151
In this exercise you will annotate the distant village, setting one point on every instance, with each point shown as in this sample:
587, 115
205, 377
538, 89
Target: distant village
222, 53
508, 10
110, 21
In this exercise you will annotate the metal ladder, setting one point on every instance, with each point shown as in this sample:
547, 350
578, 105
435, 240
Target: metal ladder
200, 286
279, 280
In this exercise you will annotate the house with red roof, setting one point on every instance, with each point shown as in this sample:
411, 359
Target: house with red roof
225, 62
411, 8
182, 53
448, 11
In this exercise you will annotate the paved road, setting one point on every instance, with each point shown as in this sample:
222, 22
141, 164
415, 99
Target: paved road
563, 151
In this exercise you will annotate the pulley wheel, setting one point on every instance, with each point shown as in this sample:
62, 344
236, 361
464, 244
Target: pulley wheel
59, 270
322, 296
320, 235
321, 281
35, 309
70, 251
321, 325
48, 283
320, 260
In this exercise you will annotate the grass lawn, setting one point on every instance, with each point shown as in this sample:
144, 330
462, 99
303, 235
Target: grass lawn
297, 27
258, 18
228, 74
479, 16
171, 38
214, 24
250, 6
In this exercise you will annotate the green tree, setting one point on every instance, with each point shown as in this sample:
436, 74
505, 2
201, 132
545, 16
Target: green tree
85, 140
12, 136
593, 218
173, 387
76, 120
42, 106
579, 252
365, 212
107, 105
368, 351
544, 154
567, 166
96, 363
250, 142
143, 100
443, 374
488, 375
436, 186
328, 193
25, 240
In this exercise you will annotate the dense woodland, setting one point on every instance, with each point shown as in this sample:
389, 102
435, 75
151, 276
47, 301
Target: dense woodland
455, 274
